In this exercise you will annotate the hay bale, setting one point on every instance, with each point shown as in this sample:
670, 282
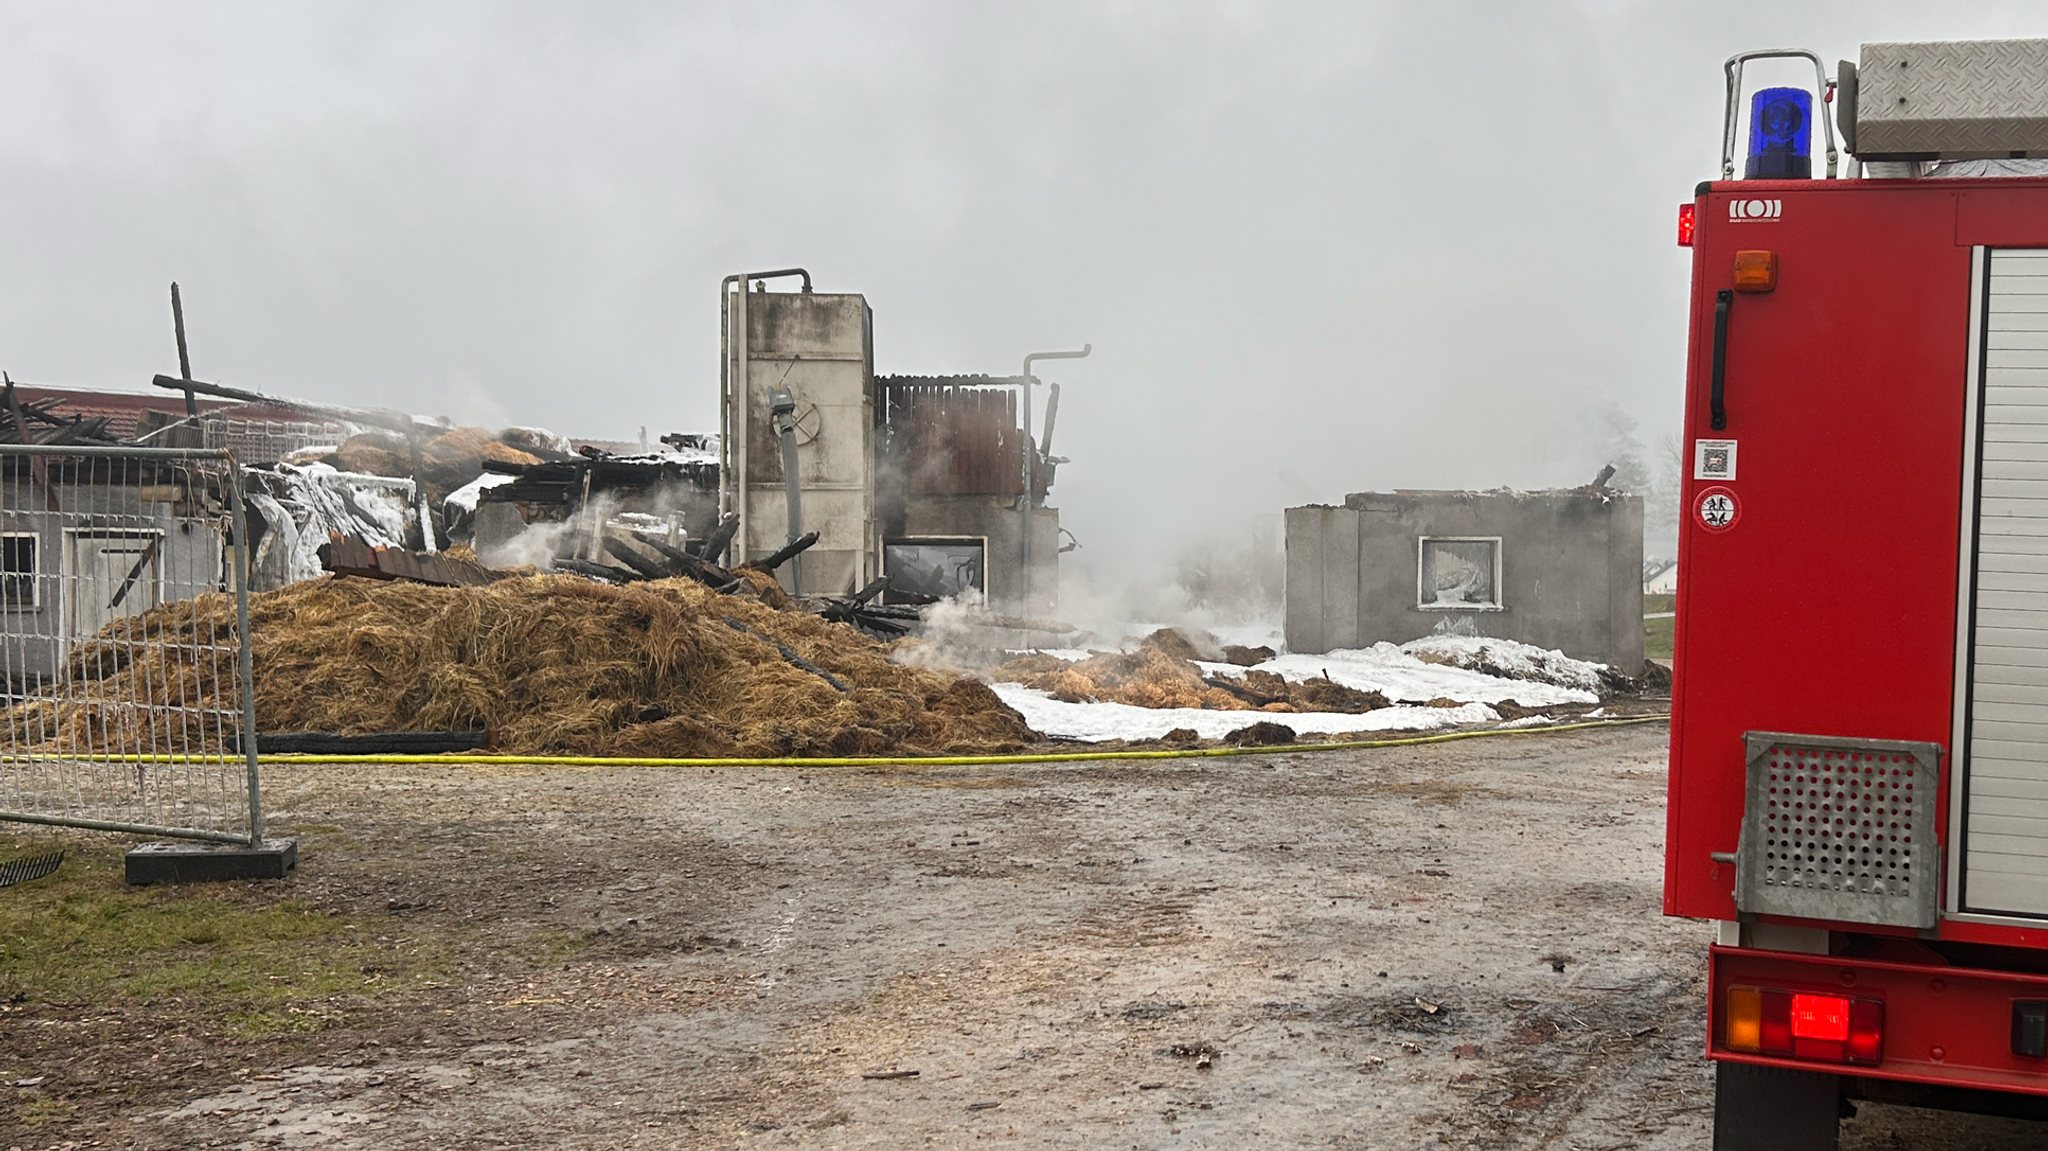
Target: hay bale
448, 459
456, 457
372, 453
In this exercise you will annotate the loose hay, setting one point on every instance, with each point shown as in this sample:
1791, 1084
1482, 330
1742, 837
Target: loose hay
1163, 673
553, 664
1159, 674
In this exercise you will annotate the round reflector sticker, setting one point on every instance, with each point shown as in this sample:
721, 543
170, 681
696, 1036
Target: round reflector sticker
1717, 509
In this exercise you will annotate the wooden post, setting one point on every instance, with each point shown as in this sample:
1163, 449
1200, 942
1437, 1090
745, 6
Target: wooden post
184, 360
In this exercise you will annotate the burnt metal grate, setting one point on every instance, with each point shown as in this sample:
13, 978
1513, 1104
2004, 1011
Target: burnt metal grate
1839, 829
34, 867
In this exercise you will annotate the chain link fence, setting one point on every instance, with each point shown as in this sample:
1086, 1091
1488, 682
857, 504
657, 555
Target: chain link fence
124, 653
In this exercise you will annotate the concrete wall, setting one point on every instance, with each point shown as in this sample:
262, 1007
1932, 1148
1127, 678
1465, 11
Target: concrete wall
1000, 523
821, 347
1571, 570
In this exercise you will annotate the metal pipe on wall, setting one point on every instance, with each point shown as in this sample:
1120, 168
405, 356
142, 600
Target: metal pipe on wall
1030, 470
732, 392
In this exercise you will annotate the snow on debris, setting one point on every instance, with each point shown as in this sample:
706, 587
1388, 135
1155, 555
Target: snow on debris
1402, 677
1069, 654
1510, 660
687, 453
1105, 721
468, 496
1473, 672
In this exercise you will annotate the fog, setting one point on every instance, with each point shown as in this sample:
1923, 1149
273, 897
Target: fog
1318, 248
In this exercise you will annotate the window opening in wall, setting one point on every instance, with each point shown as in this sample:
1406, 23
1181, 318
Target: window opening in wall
928, 569
18, 590
1459, 573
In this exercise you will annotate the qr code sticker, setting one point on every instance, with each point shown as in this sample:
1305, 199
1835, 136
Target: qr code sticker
1713, 460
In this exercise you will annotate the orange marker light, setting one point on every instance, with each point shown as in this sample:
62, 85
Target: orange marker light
1743, 1019
1756, 270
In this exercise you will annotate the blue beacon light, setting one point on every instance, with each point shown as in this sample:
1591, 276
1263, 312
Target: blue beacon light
1780, 135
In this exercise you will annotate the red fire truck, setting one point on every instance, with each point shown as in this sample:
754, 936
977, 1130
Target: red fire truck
1859, 727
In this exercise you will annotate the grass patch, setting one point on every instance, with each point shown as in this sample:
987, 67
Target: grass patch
1657, 632
247, 955
1656, 639
37, 1110
552, 945
264, 1024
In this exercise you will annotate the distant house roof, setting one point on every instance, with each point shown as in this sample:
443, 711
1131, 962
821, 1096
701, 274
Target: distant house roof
124, 409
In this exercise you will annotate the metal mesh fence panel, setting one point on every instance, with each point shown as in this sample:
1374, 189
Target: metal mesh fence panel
267, 441
124, 642
252, 441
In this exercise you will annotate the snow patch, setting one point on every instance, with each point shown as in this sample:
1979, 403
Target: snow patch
1397, 674
1105, 721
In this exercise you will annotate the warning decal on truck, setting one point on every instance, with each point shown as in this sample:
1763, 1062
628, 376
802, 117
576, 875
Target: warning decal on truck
1717, 509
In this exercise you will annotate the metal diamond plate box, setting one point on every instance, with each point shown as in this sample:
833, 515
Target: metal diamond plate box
1958, 99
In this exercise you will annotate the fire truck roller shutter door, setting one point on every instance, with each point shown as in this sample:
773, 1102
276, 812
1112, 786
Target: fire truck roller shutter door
2005, 852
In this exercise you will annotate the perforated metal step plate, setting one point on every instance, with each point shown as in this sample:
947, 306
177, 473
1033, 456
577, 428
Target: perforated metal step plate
1839, 829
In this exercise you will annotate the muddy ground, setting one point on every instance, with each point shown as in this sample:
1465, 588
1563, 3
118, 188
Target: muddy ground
1451, 945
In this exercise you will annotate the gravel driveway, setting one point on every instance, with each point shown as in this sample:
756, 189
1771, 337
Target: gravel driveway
1452, 945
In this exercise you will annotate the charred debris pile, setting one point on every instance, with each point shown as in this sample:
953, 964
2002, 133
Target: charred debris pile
40, 420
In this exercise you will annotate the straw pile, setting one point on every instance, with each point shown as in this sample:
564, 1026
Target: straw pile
1162, 672
551, 663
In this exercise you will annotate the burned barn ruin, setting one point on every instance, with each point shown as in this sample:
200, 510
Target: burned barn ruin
914, 487
875, 493
1560, 569
951, 487
573, 499
919, 480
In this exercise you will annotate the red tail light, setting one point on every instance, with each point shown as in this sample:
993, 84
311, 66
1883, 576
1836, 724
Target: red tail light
1803, 1025
1685, 214
1820, 1017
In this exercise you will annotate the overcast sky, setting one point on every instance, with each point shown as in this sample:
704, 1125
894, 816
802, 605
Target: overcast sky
1319, 248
